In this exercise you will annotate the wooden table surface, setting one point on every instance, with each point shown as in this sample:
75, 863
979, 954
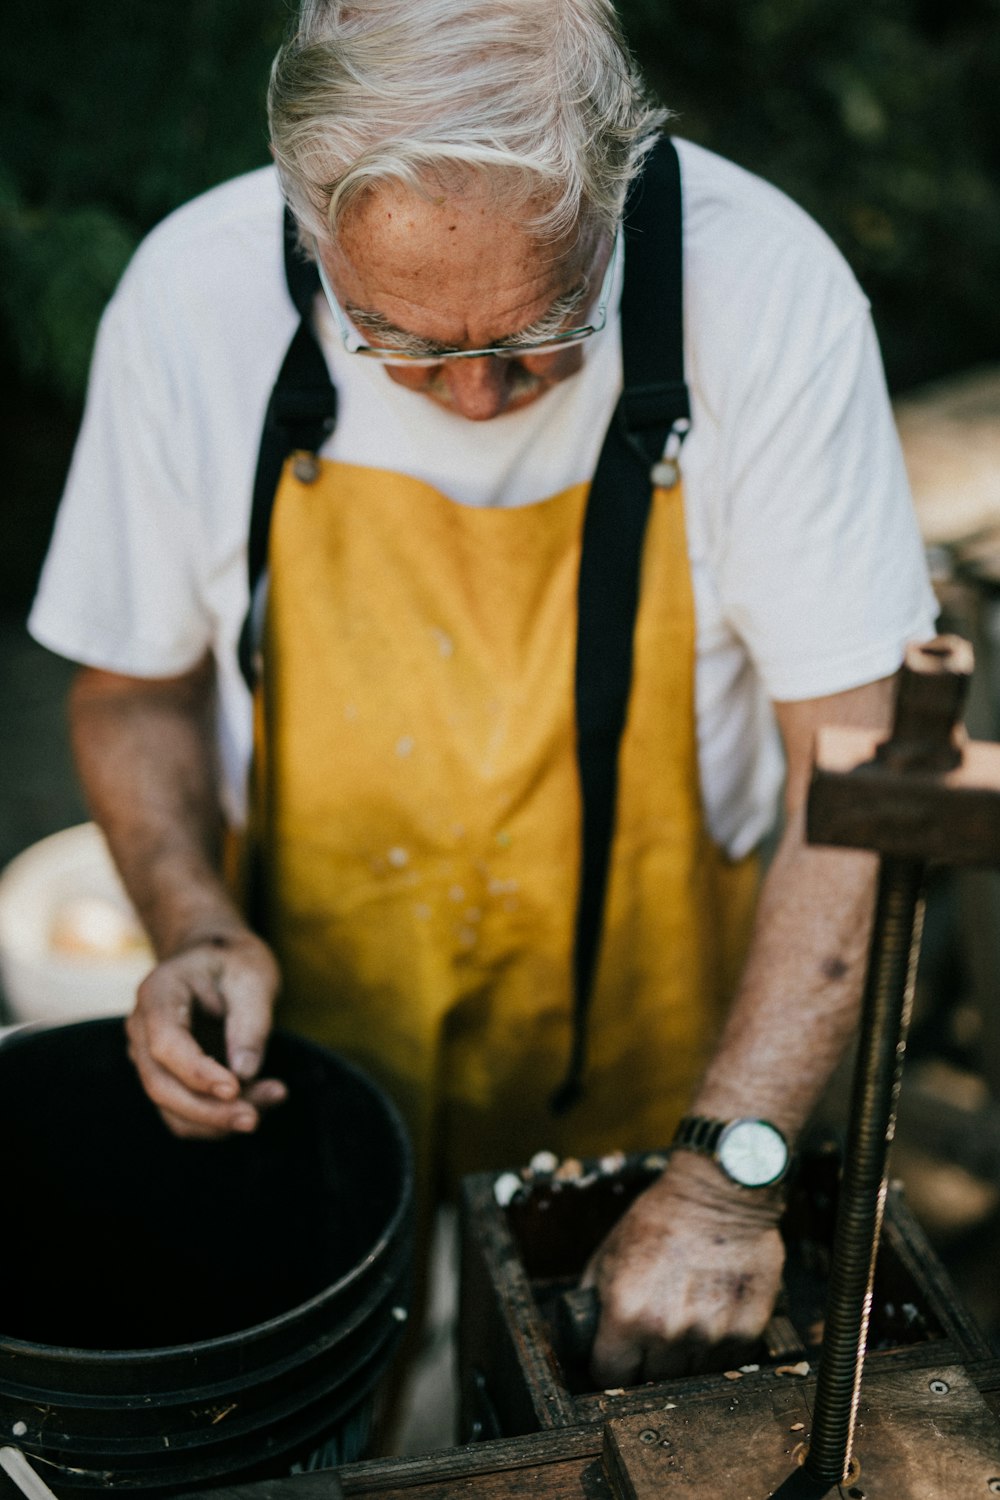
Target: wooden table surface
734, 1441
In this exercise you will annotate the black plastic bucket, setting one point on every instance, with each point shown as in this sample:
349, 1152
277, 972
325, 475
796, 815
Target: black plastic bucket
176, 1313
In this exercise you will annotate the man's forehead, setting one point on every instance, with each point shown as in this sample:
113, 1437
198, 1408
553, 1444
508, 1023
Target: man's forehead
448, 228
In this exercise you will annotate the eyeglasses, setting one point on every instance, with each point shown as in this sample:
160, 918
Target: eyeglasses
353, 343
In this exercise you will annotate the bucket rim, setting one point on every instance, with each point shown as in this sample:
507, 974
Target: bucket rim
151, 1354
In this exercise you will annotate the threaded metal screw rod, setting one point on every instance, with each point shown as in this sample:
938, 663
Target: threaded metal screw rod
885, 1019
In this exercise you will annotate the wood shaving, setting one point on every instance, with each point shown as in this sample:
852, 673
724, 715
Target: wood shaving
544, 1162
505, 1187
801, 1369
733, 1374
797, 1427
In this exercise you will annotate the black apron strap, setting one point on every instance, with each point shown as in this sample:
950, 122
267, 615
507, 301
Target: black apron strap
653, 407
301, 414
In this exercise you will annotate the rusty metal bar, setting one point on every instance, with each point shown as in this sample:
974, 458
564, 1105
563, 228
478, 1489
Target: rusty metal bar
925, 748
885, 1019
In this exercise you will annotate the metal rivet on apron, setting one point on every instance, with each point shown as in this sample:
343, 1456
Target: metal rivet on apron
665, 474
305, 467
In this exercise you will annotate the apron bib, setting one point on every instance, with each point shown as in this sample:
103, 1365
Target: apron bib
420, 814
476, 795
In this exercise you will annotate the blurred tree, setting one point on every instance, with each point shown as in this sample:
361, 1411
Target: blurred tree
110, 116
880, 119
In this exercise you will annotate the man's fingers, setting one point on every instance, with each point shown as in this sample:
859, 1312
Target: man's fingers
264, 1093
615, 1362
251, 983
190, 1113
625, 1356
186, 1129
686, 1356
161, 1039
214, 997
620, 1345
193, 1117
623, 1360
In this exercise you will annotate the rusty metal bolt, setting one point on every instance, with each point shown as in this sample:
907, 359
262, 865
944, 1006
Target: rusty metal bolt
305, 467
938, 1387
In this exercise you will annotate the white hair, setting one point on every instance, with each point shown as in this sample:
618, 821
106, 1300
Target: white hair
539, 98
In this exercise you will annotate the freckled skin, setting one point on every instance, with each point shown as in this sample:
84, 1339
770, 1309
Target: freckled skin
461, 273
833, 968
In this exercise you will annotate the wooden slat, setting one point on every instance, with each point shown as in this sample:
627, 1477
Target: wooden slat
322, 1485
922, 1435
501, 1331
903, 1235
550, 1456
747, 1424
564, 1465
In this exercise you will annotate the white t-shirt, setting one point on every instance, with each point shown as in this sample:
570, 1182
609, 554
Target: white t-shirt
807, 566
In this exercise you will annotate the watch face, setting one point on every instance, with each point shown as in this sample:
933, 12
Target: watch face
752, 1152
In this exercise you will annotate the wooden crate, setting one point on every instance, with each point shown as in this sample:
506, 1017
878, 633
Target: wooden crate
924, 1434
516, 1260
928, 1425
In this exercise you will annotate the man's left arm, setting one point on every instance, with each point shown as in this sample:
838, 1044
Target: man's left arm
696, 1262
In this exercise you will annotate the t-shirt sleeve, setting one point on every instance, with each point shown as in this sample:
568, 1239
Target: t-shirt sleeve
119, 589
822, 568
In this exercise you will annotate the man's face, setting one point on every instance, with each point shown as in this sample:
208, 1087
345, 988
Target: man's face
455, 273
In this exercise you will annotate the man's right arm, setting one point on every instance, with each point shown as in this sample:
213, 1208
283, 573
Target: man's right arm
145, 750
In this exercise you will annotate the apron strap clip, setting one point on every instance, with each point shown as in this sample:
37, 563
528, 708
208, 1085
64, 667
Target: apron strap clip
666, 472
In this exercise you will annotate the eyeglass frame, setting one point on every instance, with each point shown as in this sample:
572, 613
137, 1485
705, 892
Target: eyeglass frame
351, 339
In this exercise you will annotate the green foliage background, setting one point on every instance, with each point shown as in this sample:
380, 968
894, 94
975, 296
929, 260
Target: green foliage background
879, 117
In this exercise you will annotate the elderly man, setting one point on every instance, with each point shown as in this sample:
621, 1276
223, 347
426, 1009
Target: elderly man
577, 484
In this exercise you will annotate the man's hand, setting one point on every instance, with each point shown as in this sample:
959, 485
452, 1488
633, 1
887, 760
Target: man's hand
224, 982
145, 750
689, 1273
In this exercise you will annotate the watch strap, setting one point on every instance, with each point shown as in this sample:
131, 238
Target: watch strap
699, 1133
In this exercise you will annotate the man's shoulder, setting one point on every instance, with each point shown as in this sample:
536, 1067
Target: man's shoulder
727, 206
215, 254
209, 271
241, 208
766, 290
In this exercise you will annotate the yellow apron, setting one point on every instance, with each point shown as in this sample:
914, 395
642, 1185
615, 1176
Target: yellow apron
417, 799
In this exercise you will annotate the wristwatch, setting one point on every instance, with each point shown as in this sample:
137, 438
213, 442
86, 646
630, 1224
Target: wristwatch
752, 1153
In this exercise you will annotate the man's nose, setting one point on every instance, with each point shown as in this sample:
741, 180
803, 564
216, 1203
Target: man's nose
479, 388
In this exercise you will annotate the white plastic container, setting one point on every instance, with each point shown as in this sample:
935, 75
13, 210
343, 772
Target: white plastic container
70, 943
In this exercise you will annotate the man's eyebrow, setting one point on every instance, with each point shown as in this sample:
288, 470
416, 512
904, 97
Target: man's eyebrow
377, 326
548, 326
551, 323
